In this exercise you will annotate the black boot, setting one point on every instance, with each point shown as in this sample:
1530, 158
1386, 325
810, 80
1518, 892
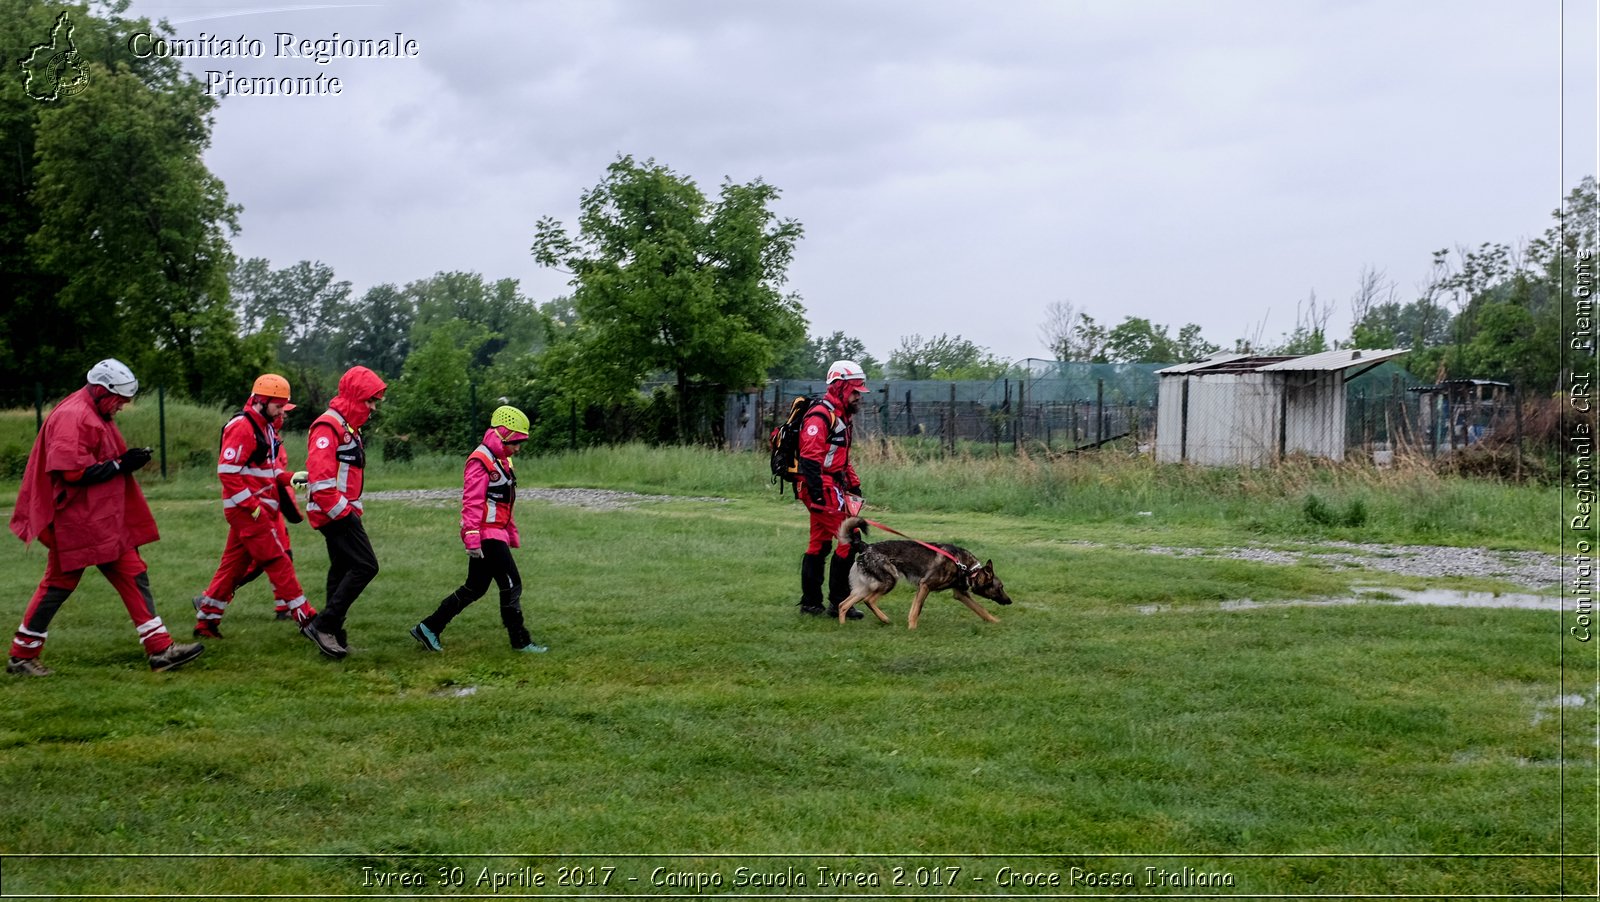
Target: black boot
811, 567
839, 586
511, 618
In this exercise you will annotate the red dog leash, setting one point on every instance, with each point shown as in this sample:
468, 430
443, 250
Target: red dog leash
933, 548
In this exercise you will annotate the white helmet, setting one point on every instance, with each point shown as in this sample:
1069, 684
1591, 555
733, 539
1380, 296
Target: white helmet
847, 370
115, 376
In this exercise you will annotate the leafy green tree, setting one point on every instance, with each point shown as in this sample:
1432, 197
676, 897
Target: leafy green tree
115, 235
811, 359
665, 280
305, 302
375, 331
511, 322
432, 402
1191, 345
1137, 340
1419, 324
943, 357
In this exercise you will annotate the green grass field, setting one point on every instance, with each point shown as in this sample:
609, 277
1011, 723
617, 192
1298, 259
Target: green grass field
687, 711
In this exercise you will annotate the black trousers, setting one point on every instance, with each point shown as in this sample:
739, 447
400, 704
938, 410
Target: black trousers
495, 566
351, 565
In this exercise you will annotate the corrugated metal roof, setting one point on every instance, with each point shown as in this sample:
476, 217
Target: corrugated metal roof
1327, 361
1200, 364
1334, 360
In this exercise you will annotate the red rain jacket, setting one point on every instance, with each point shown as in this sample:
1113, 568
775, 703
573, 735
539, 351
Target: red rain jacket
84, 524
336, 456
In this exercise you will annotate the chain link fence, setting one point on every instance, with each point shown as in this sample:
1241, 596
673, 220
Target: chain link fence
1041, 404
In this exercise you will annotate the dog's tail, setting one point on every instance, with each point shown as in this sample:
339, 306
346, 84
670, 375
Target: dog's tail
853, 532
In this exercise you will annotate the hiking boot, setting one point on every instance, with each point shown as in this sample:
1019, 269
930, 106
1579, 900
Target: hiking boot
175, 656
852, 614
429, 640
534, 649
325, 643
210, 629
815, 610
27, 667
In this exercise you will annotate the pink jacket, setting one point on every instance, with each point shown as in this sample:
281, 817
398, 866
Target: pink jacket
474, 486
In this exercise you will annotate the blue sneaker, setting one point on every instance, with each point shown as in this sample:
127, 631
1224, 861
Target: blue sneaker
422, 634
534, 648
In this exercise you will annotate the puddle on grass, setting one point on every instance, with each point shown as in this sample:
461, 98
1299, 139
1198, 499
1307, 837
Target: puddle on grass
1444, 598
1543, 711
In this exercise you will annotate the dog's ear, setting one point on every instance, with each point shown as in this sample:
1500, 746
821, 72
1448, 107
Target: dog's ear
989, 565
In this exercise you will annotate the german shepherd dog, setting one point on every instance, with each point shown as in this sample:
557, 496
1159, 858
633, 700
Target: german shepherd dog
878, 566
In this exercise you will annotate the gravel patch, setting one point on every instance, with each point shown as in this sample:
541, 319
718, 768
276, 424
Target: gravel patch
590, 499
1525, 568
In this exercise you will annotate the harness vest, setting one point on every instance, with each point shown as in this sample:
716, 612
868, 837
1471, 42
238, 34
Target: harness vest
256, 475
501, 493
351, 455
838, 437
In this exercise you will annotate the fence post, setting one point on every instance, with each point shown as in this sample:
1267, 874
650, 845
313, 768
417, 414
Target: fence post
1017, 412
38, 406
161, 419
952, 430
472, 398
1099, 411
573, 424
1516, 398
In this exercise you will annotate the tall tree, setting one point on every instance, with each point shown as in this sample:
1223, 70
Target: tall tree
375, 331
666, 280
810, 360
943, 357
510, 321
115, 234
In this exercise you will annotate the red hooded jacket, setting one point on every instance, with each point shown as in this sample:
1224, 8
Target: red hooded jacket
336, 456
825, 444
84, 524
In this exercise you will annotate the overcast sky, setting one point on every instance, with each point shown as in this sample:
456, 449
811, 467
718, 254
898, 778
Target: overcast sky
957, 166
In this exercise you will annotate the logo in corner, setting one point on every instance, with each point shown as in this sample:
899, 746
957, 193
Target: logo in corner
54, 70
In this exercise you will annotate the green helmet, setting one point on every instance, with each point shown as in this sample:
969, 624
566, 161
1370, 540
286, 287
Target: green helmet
511, 418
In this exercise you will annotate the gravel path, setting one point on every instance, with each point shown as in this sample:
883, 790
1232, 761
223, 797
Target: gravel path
592, 499
1525, 568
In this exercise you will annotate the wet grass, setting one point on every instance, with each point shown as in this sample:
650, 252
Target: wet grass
686, 708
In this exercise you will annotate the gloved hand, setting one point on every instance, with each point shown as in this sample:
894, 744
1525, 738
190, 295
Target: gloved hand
300, 479
475, 552
133, 458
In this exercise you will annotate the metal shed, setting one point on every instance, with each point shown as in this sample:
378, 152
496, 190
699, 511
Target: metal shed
1250, 409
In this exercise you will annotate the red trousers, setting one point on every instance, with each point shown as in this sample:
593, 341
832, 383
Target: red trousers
255, 544
126, 574
826, 520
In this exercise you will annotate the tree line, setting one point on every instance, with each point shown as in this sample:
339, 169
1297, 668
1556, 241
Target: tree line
115, 240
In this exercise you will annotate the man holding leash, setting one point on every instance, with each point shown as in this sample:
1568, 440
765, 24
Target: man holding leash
335, 463
256, 495
828, 486
79, 499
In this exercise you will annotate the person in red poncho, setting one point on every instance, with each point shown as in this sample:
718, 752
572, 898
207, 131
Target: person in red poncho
80, 500
828, 486
256, 496
335, 462
489, 532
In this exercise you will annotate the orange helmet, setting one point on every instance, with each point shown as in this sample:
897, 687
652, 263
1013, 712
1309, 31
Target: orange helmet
271, 385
